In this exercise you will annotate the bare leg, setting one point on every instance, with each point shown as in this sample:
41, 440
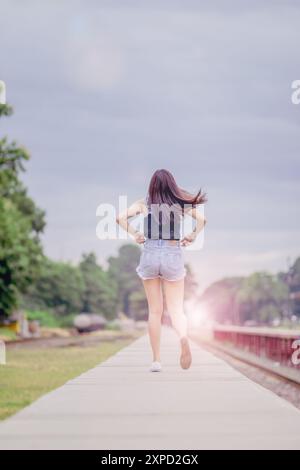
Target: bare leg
174, 292
155, 305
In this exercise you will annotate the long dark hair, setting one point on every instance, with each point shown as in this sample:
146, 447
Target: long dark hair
163, 189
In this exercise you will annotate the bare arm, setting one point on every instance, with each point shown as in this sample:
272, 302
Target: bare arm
136, 208
200, 223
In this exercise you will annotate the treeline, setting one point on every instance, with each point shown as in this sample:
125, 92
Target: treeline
259, 299
21, 223
30, 280
67, 289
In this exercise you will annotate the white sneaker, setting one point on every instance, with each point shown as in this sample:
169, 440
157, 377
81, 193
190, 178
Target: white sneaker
155, 367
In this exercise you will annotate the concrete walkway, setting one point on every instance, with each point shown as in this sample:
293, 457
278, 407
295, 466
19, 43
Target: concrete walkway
120, 405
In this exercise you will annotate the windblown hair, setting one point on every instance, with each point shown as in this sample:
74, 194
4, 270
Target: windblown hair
163, 189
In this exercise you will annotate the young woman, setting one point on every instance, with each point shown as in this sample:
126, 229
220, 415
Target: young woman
161, 264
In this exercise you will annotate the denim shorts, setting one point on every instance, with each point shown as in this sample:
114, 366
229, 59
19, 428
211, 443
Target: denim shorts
161, 259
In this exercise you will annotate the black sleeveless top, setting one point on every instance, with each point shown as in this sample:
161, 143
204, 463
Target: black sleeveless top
162, 223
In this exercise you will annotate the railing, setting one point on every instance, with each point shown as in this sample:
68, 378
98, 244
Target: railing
276, 350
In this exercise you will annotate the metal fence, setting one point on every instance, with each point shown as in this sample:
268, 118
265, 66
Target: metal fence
277, 350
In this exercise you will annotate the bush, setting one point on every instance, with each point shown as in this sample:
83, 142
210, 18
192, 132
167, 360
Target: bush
50, 319
67, 321
45, 318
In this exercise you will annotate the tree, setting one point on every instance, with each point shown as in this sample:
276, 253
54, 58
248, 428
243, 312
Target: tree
122, 271
21, 223
221, 300
100, 290
262, 298
138, 305
59, 288
292, 279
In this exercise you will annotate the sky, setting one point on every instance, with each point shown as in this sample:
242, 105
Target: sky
106, 92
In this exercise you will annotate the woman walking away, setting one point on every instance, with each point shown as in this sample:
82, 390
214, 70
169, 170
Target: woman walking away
161, 264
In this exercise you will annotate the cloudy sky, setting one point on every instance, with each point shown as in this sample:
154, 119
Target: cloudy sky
105, 92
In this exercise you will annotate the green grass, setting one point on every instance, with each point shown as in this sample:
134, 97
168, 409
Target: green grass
29, 373
50, 319
7, 333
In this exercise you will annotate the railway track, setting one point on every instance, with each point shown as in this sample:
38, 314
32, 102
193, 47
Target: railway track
274, 380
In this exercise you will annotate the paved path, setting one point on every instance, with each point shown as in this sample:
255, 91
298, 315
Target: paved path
120, 405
